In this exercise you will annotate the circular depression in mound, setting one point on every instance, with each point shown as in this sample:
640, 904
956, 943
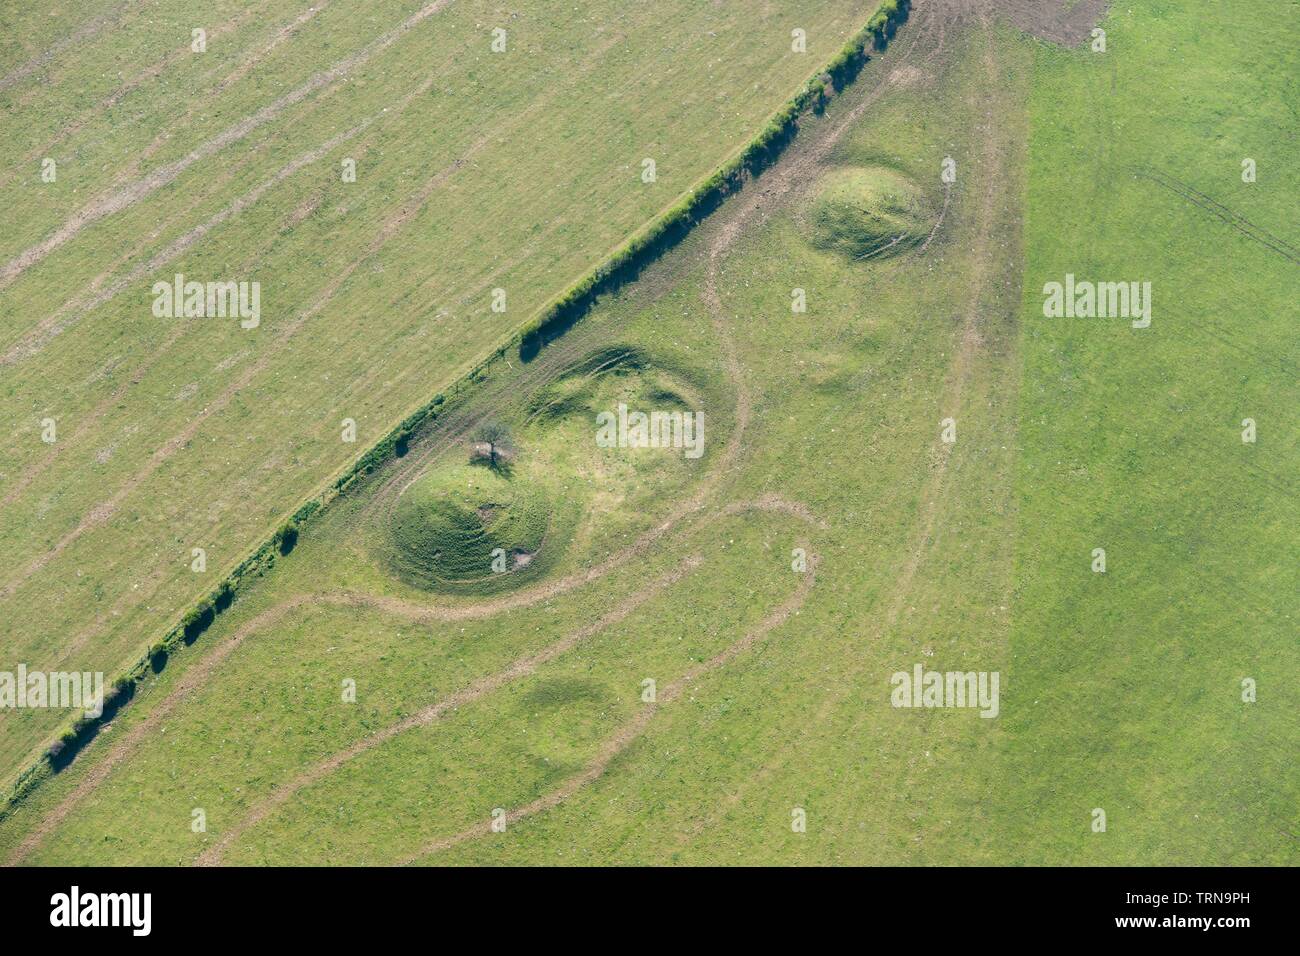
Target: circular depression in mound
449, 525
868, 213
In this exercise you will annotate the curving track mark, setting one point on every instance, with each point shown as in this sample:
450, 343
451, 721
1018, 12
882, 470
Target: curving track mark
417, 611
480, 688
616, 744
938, 223
992, 158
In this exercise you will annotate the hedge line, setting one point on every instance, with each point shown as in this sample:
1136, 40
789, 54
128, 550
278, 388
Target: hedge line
623, 265
626, 262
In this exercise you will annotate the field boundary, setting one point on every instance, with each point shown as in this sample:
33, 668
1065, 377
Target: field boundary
617, 269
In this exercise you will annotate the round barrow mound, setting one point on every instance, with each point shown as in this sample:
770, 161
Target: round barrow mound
868, 213
467, 523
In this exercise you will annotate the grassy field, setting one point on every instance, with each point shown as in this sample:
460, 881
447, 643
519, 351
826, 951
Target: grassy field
1131, 441
475, 171
525, 692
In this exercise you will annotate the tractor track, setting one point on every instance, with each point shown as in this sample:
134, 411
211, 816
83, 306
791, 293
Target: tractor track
630, 731
77, 309
1219, 211
932, 37
148, 74
86, 31
522, 667
114, 201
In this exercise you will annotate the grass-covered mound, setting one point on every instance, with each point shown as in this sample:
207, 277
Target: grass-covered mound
447, 526
617, 373
562, 498
623, 491
868, 213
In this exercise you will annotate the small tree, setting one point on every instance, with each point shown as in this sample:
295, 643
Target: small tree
500, 444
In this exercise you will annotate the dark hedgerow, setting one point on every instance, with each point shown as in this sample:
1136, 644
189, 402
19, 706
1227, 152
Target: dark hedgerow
628, 260
224, 597
288, 537
196, 622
